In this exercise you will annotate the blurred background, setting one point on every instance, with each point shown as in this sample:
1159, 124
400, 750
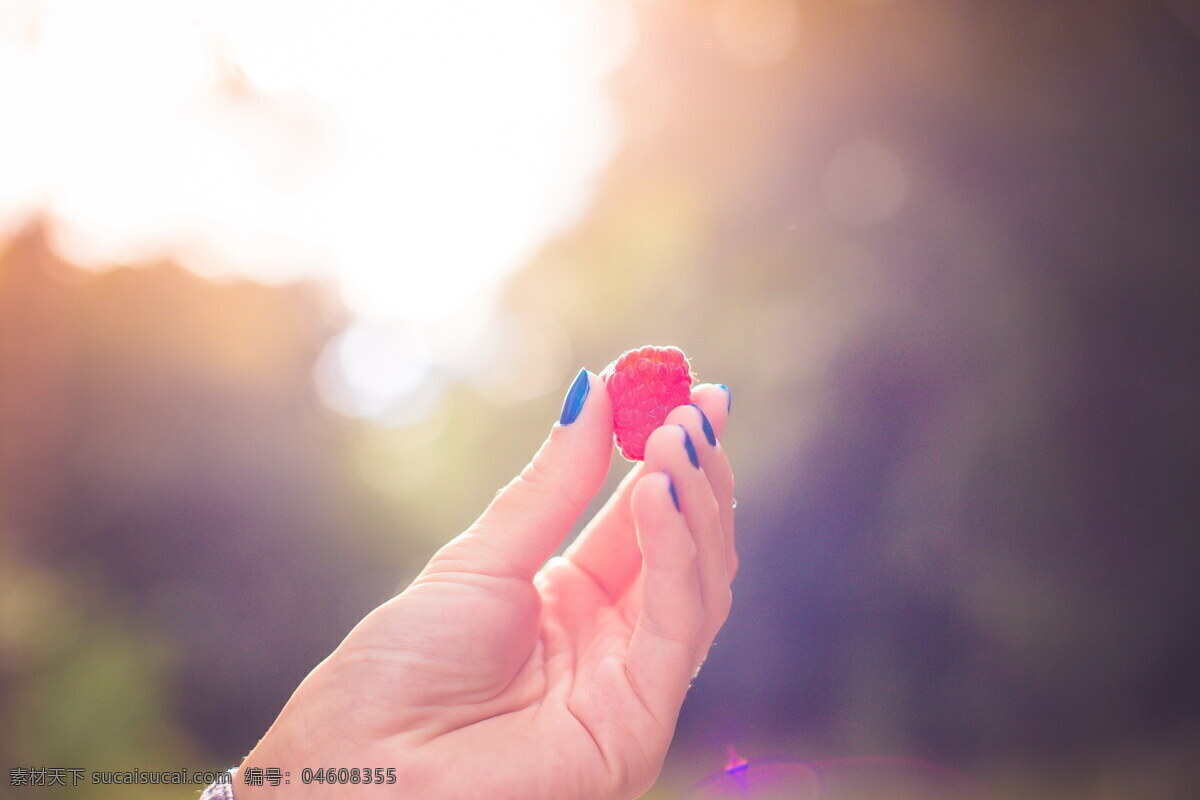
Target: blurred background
288, 291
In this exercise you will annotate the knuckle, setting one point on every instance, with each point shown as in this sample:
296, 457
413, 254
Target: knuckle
540, 479
657, 440
684, 629
536, 474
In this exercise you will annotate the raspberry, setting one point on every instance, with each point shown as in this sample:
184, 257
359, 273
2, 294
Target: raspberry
645, 384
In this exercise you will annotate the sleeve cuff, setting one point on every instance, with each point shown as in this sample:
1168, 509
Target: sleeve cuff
220, 790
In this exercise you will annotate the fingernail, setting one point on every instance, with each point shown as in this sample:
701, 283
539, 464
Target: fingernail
573, 403
707, 426
671, 489
691, 449
728, 398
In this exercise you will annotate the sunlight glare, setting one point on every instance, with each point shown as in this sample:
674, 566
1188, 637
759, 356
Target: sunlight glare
415, 154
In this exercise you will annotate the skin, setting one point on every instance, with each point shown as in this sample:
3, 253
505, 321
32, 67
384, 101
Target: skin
500, 674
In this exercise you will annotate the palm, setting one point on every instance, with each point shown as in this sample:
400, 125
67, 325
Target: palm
496, 654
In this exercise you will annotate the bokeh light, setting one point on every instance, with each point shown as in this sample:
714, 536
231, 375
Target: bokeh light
864, 184
761, 781
756, 33
413, 154
877, 778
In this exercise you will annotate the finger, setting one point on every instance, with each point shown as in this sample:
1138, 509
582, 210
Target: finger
529, 517
715, 400
666, 636
607, 548
672, 449
715, 463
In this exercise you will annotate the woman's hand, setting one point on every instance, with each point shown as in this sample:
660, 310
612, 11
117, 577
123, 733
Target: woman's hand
497, 674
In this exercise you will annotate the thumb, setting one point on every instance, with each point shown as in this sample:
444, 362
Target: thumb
529, 517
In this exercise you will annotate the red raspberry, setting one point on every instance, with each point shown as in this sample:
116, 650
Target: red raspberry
645, 384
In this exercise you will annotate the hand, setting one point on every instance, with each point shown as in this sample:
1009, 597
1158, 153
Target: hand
493, 676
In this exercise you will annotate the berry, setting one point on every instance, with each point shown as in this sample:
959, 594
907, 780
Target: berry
645, 384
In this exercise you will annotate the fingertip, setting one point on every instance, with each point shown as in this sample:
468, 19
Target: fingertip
666, 442
713, 400
690, 448
654, 494
580, 442
586, 402
582, 435
706, 427
601, 407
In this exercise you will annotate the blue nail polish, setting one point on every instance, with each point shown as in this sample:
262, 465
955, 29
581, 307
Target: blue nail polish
691, 449
671, 489
728, 398
573, 403
707, 426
